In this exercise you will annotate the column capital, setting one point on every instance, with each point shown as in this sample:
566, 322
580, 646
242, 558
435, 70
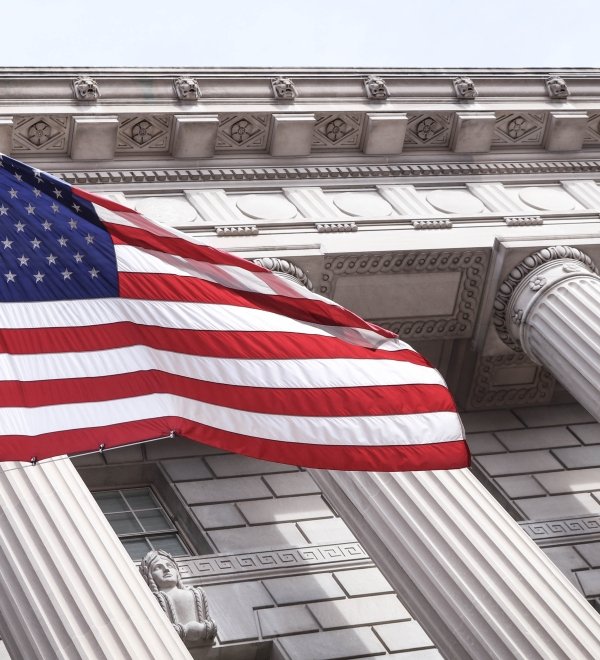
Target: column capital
528, 281
286, 269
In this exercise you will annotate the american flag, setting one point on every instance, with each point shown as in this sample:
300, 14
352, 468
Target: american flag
114, 329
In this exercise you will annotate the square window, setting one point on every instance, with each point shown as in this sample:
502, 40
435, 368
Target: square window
140, 521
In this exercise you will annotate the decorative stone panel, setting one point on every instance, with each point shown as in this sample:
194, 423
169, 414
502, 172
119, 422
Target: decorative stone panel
431, 129
424, 271
248, 132
592, 133
144, 133
338, 130
39, 135
545, 531
522, 128
507, 380
275, 562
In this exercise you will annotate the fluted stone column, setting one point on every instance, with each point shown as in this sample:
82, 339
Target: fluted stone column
549, 307
68, 589
468, 573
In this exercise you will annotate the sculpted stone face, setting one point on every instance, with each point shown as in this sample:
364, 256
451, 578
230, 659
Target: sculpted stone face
164, 573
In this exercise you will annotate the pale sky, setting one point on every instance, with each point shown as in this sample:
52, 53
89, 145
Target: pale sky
306, 33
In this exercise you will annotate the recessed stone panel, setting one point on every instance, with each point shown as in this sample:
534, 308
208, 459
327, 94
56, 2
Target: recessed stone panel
266, 207
363, 204
455, 201
419, 295
547, 199
411, 294
172, 211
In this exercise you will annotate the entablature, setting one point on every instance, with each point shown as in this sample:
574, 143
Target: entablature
119, 115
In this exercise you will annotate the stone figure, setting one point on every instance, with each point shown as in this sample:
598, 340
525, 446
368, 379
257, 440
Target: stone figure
86, 89
376, 88
186, 607
187, 89
284, 89
464, 88
557, 87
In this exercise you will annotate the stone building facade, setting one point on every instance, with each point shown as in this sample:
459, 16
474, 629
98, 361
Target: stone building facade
460, 209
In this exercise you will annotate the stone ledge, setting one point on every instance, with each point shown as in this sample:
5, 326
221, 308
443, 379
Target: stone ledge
217, 569
544, 532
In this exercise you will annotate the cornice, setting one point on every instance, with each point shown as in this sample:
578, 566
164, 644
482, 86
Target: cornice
215, 82
322, 172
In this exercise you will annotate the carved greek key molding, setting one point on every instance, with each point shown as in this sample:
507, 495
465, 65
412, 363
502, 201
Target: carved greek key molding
471, 264
561, 528
217, 568
220, 174
516, 277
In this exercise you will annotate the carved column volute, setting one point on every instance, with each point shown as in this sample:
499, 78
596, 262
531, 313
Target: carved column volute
549, 308
285, 269
528, 283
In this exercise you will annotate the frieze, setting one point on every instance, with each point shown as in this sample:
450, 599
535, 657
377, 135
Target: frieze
519, 128
510, 380
218, 174
41, 135
568, 529
431, 129
144, 133
592, 131
248, 132
219, 568
470, 264
337, 130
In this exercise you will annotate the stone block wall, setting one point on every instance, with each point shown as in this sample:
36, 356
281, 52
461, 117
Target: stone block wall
543, 464
282, 566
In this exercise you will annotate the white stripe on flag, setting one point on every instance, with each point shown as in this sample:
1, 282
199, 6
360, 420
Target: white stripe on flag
169, 314
423, 428
311, 373
136, 260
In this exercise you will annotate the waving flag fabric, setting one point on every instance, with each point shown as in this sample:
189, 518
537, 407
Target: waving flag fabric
114, 329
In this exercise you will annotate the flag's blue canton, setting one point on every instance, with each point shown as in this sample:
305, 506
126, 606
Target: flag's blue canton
52, 244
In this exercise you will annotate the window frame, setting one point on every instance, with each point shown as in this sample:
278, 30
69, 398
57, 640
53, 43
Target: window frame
146, 535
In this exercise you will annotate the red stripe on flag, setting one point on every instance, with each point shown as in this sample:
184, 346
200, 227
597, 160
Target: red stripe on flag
435, 456
153, 286
208, 343
299, 402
